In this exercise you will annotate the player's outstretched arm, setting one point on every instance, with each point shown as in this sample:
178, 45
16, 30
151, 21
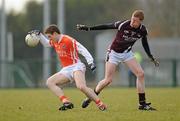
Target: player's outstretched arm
44, 41
96, 27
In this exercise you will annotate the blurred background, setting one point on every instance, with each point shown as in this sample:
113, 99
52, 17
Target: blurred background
22, 66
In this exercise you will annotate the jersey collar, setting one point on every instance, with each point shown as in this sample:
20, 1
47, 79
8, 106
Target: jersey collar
60, 38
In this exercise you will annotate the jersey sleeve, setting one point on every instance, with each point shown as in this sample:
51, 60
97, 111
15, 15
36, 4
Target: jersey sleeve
145, 41
44, 41
84, 52
144, 31
103, 26
117, 23
146, 46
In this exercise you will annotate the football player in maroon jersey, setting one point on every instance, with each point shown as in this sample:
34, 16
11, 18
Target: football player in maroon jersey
128, 32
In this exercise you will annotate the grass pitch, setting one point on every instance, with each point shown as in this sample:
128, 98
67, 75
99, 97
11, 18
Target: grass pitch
42, 105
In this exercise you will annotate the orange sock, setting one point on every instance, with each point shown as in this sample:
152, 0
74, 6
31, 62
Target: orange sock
100, 105
64, 99
98, 102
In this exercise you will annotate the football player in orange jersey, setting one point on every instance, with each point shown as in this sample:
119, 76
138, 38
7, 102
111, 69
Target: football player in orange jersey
67, 49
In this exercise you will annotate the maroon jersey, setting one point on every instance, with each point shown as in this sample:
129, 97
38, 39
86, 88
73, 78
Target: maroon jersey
126, 36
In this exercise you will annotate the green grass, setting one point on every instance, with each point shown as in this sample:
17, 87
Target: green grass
42, 105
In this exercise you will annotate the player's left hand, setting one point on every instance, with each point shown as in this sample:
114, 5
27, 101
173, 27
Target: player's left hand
37, 32
155, 61
93, 67
82, 27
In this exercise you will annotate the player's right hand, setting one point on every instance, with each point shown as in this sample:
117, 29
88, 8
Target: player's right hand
82, 27
93, 67
37, 32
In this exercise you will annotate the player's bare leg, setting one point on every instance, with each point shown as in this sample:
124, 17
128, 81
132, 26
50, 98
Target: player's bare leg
52, 83
79, 78
140, 84
109, 71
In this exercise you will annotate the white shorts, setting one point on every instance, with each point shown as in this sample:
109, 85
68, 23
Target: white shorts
69, 70
116, 58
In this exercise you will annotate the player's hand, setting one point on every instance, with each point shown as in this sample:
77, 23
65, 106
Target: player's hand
37, 32
93, 67
155, 61
82, 27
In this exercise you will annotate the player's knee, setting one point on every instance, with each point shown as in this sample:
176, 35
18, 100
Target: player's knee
108, 81
81, 87
49, 83
140, 74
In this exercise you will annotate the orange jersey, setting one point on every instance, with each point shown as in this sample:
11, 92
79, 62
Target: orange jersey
66, 48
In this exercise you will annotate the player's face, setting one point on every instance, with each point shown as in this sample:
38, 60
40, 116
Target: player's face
135, 22
51, 36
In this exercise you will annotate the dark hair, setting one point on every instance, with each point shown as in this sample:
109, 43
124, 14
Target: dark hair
139, 14
51, 29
